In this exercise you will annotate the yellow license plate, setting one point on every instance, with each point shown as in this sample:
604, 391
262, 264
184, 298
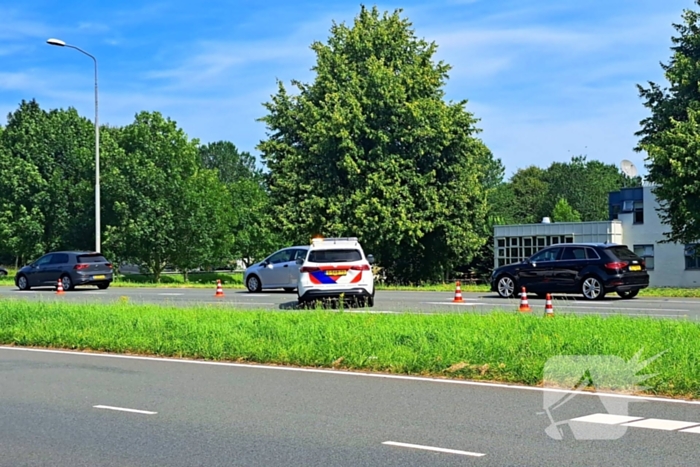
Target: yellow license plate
99, 277
340, 272
635, 268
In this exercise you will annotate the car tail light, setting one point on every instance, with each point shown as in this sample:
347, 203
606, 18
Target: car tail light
109, 265
309, 269
81, 266
617, 265
364, 267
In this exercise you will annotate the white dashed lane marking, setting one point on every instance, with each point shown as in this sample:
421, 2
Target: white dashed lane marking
606, 418
431, 448
122, 409
640, 422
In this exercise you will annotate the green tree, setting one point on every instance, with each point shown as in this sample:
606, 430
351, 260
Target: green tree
670, 134
232, 164
255, 231
563, 212
203, 223
161, 206
529, 192
371, 149
257, 234
47, 183
585, 186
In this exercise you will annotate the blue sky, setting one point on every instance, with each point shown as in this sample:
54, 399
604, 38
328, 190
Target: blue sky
548, 79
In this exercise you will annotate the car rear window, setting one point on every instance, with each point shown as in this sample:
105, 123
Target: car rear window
92, 259
334, 256
623, 253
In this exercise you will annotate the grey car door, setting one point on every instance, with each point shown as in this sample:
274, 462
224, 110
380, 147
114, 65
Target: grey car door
56, 267
276, 273
37, 275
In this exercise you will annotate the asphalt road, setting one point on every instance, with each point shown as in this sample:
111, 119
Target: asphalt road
70, 409
385, 301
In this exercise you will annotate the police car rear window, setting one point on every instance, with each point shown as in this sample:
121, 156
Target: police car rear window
334, 256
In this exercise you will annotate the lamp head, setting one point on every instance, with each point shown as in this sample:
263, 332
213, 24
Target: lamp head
56, 42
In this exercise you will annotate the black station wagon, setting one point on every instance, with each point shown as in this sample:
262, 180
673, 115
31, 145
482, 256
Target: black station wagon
591, 269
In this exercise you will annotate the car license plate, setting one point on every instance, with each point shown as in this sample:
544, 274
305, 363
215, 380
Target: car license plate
98, 277
635, 268
337, 272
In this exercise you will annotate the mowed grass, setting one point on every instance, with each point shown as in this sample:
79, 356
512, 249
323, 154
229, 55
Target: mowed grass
497, 347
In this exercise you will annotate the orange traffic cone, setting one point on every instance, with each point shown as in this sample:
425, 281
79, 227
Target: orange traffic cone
219, 290
458, 293
524, 305
59, 287
548, 307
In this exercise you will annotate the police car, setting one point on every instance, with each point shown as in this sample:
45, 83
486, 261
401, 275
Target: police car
335, 267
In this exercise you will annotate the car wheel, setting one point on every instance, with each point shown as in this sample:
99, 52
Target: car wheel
506, 287
103, 286
627, 294
3, 273
23, 283
592, 288
370, 301
67, 282
253, 284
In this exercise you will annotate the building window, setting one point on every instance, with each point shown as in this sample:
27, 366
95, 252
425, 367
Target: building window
615, 212
628, 205
638, 212
692, 256
646, 252
528, 250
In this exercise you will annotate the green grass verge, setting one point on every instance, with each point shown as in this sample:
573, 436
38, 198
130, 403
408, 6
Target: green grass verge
497, 347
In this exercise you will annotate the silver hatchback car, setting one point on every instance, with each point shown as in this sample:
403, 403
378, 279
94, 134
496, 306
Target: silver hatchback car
280, 270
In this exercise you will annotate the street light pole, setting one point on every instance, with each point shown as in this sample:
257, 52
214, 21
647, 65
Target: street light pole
98, 241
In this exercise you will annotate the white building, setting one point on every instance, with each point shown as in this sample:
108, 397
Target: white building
634, 222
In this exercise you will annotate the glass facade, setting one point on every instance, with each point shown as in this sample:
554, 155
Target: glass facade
515, 249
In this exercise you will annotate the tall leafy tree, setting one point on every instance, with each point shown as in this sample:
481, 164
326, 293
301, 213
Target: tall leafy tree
371, 149
585, 186
203, 220
47, 183
530, 189
233, 165
670, 135
162, 207
254, 231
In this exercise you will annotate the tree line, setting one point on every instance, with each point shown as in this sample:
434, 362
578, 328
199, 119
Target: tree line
371, 148
166, 199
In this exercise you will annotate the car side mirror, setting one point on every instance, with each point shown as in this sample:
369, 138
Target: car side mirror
300, 261
370, 259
